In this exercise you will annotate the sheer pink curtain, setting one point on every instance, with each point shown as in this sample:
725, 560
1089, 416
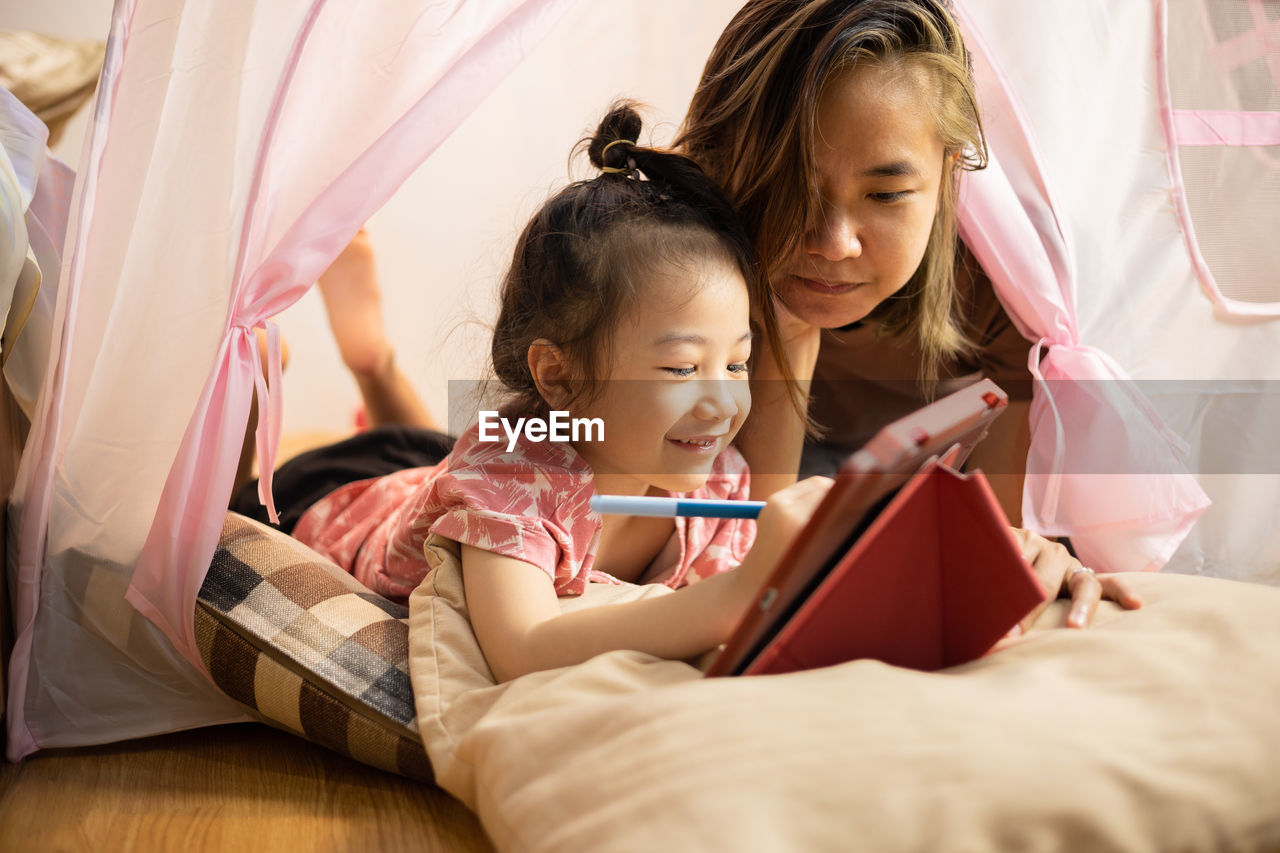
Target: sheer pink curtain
1103, 468
367, 92
234, 150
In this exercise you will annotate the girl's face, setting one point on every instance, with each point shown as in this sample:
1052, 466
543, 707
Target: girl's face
677, 391
879, 169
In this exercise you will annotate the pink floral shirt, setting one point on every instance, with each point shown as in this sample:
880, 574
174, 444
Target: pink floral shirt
530, 504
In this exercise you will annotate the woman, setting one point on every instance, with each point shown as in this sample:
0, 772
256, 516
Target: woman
838, 128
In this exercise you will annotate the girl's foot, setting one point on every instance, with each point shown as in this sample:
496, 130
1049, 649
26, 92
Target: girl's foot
353, 302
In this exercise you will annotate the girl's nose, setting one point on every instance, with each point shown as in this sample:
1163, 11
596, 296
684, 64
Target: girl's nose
716, 401
834, 237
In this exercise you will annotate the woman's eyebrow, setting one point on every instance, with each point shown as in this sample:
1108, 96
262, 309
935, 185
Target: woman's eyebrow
896, 169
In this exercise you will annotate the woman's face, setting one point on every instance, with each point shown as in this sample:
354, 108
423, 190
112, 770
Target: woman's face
879, 167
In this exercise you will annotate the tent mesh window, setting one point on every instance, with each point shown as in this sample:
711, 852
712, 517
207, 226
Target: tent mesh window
1224, 57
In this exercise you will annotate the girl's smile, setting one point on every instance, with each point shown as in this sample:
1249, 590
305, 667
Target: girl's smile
699, 445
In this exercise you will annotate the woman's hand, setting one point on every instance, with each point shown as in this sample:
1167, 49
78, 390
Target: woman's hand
1063, 575
772, 439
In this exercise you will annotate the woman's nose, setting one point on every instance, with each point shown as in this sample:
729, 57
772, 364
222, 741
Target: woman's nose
834, 237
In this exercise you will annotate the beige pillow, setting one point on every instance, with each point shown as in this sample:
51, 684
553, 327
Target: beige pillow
1156, 729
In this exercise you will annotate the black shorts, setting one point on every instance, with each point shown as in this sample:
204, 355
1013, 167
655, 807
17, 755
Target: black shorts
309, 476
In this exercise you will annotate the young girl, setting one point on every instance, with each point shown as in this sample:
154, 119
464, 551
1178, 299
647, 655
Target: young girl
629, 303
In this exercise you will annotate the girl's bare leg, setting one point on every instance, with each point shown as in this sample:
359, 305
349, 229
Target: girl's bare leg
353, 301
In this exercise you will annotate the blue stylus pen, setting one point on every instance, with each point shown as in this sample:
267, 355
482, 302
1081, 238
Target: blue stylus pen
671, 507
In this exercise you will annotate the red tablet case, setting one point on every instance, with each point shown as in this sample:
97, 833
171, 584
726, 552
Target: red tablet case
936, 568
933, 582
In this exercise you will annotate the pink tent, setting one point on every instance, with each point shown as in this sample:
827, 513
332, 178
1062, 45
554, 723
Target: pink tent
231, 156
310, 114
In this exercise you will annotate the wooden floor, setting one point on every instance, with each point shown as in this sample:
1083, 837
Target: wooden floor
241, 787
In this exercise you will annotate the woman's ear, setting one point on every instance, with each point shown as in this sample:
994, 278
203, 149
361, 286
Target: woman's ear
550, 372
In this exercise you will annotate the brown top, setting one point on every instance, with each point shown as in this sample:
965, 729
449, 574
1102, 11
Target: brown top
862, 382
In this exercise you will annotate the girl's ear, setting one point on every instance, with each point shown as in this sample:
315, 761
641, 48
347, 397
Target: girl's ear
550, 372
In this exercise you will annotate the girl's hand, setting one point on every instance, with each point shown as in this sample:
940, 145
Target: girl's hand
517, 618
1062, 574
783, 517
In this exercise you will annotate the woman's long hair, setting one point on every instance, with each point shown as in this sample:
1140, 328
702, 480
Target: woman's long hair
752, 120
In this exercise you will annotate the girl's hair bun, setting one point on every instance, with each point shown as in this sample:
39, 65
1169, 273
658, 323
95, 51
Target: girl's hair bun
580, 262
621, 125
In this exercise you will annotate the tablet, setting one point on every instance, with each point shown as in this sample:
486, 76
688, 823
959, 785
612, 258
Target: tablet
944, 431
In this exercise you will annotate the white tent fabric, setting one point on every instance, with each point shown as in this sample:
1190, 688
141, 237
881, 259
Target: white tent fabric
35, 192
22, 139
265, 138
231, 157
1102, 468
1104, 87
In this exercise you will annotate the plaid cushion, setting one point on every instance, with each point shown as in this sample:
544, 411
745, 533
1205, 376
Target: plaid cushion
304, 647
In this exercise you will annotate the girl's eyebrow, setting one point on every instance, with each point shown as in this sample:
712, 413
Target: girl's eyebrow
691, 338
